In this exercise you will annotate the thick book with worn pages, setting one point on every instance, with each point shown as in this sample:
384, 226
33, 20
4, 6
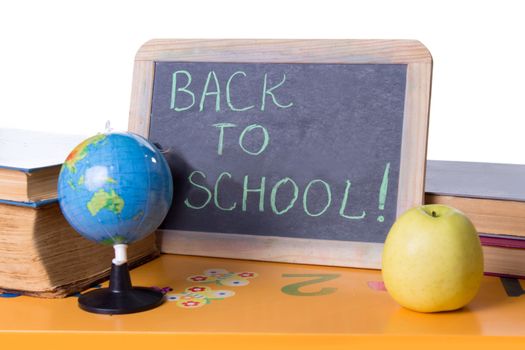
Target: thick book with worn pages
504, 255
30, 162
504, 261
29, 185
42, 255
492, 195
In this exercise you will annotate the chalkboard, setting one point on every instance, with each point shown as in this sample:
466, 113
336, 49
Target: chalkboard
306, 154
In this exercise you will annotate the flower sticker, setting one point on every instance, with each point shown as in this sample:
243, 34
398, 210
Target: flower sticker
235, 282
216, 272
192, 303
200, 278
197, 296
163, 290
221, 294
223, 277
246, 274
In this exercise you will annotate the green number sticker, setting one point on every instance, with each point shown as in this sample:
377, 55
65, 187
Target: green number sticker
294, 289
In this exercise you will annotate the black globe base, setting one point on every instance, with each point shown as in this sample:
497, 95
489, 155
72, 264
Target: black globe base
121, 297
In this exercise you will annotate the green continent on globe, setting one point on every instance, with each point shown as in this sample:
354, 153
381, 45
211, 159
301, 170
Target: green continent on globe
80, 152
105, 200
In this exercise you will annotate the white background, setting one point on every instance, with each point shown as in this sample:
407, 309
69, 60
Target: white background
67, 66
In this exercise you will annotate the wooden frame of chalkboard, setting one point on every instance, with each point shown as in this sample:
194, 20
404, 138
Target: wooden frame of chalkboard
413, 141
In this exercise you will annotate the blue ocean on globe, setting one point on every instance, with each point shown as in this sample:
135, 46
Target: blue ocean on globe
115, 188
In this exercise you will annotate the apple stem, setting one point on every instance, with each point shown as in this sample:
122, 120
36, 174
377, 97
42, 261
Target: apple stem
434, 214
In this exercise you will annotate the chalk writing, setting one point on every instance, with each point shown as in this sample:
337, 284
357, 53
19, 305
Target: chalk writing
279, 149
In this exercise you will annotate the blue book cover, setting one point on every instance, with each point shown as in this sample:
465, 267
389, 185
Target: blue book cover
35, 204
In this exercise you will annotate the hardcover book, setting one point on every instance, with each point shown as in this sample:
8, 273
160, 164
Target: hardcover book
493, 197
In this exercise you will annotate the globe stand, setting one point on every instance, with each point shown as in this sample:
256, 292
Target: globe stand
121, 297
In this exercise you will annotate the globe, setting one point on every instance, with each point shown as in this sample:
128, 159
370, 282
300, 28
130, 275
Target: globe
115, 188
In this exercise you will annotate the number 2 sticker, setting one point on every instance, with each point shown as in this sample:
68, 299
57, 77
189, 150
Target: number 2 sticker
294, 288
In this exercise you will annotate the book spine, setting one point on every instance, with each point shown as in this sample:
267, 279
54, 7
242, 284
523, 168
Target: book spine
505, 242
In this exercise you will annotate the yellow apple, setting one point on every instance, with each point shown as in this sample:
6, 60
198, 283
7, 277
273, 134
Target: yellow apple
432, 259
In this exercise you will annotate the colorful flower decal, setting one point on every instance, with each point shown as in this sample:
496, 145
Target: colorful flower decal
247, 274
163, 290
223, 277
377, 285
198, 296
198, 278
192, 303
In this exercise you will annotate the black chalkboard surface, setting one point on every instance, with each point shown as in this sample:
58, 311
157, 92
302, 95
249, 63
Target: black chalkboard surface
283, 160
312, 154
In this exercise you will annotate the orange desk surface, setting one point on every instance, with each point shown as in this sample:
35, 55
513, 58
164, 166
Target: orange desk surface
265, 306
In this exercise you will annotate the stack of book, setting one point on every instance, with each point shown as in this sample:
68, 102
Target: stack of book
493, 197
40, 253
